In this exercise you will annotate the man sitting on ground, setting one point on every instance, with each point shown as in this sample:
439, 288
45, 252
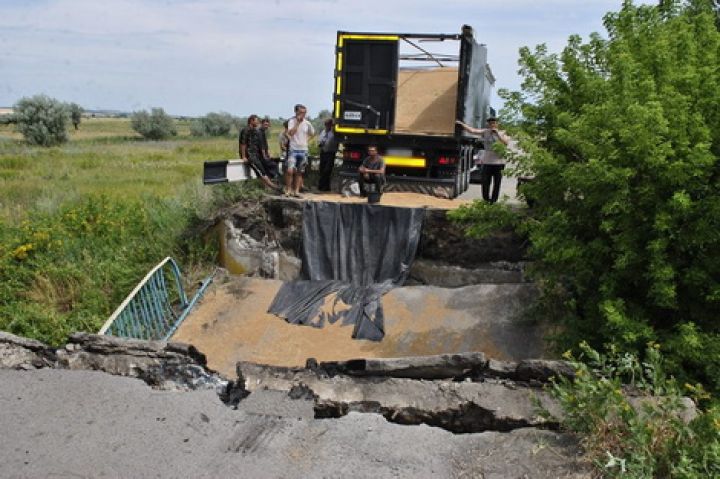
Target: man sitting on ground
252, 150
271, 167
372, 171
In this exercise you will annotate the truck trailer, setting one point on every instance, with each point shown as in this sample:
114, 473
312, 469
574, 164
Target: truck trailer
393, 91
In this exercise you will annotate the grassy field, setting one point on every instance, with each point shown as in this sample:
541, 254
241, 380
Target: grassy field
104, 156
81, 223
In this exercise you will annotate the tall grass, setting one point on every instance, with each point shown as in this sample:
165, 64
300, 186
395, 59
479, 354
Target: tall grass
82, 223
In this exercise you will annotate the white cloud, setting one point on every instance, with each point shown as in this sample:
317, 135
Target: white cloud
243, 56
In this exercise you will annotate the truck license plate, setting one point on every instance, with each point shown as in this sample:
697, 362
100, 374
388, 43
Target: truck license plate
352, 115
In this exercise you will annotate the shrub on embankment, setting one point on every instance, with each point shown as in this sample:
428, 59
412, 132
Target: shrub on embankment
67, 270
621, 136
633, 419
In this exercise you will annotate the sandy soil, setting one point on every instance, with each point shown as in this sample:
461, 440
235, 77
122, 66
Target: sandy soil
232, 324
426, 101
399, 199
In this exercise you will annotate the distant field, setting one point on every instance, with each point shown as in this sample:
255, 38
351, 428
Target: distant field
104, 156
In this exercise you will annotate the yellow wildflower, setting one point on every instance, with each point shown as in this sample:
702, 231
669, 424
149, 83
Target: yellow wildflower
21, 252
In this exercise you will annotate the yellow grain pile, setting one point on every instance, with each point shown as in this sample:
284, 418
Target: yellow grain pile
426, 101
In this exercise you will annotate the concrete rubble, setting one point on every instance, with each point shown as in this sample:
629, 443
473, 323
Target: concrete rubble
386, 418
23, 353
162, 365
459, 393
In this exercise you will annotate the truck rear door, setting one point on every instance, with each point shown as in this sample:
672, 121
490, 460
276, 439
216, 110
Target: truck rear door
365, 82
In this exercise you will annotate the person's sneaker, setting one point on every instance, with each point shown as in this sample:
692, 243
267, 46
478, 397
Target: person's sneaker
296, 195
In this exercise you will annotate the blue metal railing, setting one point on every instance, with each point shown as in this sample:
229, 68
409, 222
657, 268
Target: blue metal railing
154, 309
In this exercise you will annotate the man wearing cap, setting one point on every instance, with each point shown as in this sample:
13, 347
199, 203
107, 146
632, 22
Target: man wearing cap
492, 163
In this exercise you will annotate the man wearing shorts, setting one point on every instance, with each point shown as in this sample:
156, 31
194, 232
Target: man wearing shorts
299, 132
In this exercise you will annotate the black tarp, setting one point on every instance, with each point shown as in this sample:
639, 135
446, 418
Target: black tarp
358, 251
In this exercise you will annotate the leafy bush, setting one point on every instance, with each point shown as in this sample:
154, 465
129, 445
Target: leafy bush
156, 125
42, 120
481, 218
213, 124
621, 137
644, 437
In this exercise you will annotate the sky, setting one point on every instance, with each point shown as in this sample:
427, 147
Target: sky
192, 57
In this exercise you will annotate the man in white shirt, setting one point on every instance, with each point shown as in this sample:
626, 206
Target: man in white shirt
299, 132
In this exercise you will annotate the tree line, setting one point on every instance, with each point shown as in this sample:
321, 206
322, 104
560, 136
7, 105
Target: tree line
44, 121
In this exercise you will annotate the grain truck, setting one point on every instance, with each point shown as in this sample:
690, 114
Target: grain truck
403, 92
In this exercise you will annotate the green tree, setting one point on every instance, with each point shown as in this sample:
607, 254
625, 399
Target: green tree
213, 124
324, 115
42, 120
76, 112
156, 125
621, 134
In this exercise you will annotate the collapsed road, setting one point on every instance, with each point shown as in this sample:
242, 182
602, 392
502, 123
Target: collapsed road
451, 390
110, 407
460, 295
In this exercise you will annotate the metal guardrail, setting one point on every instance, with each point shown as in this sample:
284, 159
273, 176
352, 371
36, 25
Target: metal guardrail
154, 309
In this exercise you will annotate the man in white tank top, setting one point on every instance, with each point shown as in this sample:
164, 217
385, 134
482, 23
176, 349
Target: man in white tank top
299, 132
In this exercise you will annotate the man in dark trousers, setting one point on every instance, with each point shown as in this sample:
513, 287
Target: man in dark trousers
270, 166
251, 147
242, 140
492, 163
328, 149
372, 171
